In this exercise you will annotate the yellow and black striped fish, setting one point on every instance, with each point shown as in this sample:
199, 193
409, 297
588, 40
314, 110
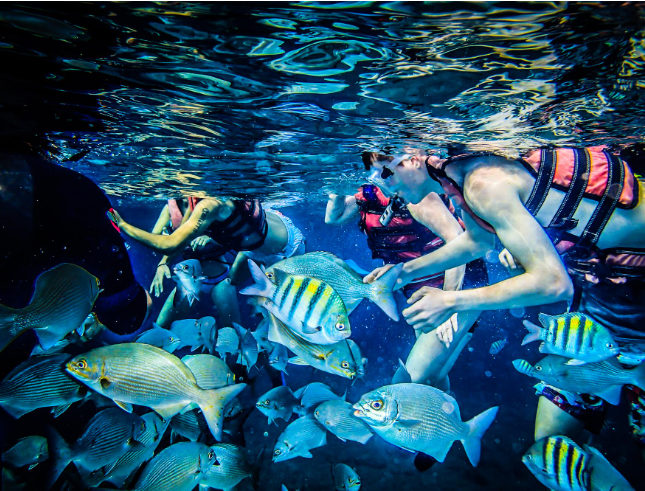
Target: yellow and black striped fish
307, 305
573, 335
558, 463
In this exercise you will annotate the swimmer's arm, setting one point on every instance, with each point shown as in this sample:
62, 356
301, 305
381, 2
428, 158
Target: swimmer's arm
433, 214
205, 213
340, 209
162, 221
545, 279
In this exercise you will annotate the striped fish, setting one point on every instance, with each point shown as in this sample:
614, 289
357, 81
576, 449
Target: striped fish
573, 335
30, 450
39, 382
135, 373
190, 424
497, 346
232, 469
558, 463
308, 305
301, 436
334, 358
180, 467
63, 298
338, 418
603, 475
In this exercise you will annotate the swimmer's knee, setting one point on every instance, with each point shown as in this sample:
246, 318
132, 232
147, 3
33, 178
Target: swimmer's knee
551, 420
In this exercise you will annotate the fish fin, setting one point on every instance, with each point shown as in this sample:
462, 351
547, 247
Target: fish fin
46, 337
311, 330
126, 406
81, 329
60, 456
296, 360
58, 410
306, 455
477, 427
574, 362
213, 403
132, 445
611, 394
545, 348
351, 305
352, 264
423, 462
638, 376
544, 320
534, 332
7, 319
31, 466
381, 292
168, 411
408, 423
262, 287
401, 376
16, 412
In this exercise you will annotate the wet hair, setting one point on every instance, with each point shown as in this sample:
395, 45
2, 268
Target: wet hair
369, 157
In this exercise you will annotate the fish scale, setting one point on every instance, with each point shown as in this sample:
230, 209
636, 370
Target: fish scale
232, 467
337, 416
176, 468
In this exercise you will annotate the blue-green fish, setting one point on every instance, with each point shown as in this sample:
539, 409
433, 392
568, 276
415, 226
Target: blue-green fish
315, 393
30, 450
279, 402
195, 332
160, 337
190, 278
63, 298
228, 341
337, 416
573, 335
497, 346
307, 305
345, 478
230, 469
558, 463
603, 475
210, 372
301, 436
279, 358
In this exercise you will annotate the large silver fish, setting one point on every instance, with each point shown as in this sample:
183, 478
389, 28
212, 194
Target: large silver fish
180, 467
209, 371
337, 417
30, 451
40, 382
231, 467
63, 298
334, 358
190, 278
279, 402
301, 436
421, 418
342, 278
134, 373
345, 478
604, 379
307, 305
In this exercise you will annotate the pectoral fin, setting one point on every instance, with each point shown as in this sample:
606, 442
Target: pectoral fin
296, 360
408, 423
311, 330
126, 406
576, 362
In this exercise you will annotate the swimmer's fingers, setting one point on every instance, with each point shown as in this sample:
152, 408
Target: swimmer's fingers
377, 273
507, 260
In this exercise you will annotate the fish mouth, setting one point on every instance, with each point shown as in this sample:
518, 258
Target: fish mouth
359, 410
71, 369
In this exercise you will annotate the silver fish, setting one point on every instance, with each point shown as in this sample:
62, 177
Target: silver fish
249, 350
30, 451
604, 379
421, 418
231, 468
208, 330
359, 359
63, 298
189, 278
180, 467
603, 475
261, 335
343, 279
338, 418
160, 337
188, 332
227, 342
334, 358
345, 478
278, 403
301, 436
497, 346
40, 382
190, 424
209, 371
134, 373
279, 358
315, 393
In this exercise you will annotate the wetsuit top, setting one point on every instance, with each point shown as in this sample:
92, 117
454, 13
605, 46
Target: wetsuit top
245, 229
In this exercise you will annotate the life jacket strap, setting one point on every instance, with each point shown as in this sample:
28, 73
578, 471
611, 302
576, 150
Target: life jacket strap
543, 181
563, 219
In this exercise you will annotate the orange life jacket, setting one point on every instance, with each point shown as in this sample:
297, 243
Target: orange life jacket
176, 216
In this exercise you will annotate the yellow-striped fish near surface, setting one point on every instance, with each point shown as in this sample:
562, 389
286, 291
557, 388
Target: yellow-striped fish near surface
136, 373
558, 463
307, 305
63, 298
573, 335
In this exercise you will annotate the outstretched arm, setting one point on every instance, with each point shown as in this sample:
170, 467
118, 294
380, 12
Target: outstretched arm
340, 209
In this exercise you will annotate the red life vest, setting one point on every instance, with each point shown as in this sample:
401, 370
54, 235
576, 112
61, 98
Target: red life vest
402, 240
176, 215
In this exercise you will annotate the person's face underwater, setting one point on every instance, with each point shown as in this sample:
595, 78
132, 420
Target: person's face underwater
404, 175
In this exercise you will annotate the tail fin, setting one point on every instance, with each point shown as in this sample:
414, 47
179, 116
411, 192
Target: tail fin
7, 331
477, 427
263, 286
213, 404
534, 332
381, 292
255, 475
60, 456
639, 376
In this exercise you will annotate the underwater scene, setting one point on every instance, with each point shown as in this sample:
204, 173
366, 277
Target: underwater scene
322, 246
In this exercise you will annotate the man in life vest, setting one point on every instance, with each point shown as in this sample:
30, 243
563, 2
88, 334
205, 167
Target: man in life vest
399, 234
570, 217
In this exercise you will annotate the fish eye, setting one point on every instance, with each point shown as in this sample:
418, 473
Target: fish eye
211, 454
345, 364
270, 275
528, 457
377, 404
81, 364
277, 451
340, 326
610, 345
317, 413
538, 368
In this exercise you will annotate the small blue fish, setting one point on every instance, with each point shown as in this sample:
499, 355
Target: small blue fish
189, 278
279, 358
160, 337
497, 346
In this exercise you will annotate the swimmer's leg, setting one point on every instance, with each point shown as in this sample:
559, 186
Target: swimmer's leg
224, 296
429, 360
171, 312
240, 269
551, 420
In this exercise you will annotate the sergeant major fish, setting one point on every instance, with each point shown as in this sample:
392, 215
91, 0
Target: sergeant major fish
307, 305
421, 418
559, 464
497, 346
134, 373
573, 335
343, 279
604, 476
63, 298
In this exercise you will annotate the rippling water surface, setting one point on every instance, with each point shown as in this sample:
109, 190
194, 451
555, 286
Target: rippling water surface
279, 99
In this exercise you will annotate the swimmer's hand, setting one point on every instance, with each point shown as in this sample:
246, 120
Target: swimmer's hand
116, 219
163, 271
201, 242
446, 330
508, 261
429, 308
378, 272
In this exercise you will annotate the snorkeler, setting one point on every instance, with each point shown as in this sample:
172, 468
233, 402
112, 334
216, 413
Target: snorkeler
586, 201
412, 231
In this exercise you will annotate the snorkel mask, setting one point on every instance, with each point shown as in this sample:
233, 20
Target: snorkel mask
380, 177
